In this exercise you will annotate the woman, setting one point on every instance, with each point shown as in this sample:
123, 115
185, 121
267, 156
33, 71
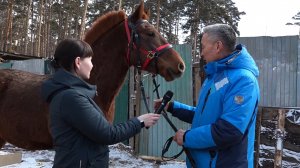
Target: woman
80, 132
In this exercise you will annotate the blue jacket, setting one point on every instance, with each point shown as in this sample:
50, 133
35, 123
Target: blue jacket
80, 132
223, 123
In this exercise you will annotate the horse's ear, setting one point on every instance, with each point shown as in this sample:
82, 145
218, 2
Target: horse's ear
142, 4
147, 12
139, 12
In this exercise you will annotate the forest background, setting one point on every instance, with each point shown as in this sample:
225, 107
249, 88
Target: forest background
34, 27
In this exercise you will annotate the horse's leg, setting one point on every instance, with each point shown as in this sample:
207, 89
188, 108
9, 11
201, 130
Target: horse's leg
2, 142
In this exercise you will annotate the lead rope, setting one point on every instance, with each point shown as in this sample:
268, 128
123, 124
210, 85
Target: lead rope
170, 140
140, 72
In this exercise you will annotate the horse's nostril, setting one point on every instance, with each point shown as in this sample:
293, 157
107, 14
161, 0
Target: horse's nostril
181, 67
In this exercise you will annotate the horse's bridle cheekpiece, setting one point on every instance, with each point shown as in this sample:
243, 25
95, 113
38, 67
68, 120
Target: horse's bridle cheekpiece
134, 43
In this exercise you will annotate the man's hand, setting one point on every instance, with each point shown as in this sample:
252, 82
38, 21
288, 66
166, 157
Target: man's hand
178, 138
157, 103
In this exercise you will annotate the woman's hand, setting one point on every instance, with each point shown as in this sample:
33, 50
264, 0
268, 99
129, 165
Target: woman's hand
149, 119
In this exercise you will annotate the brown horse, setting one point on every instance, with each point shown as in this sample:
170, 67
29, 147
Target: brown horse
23, 115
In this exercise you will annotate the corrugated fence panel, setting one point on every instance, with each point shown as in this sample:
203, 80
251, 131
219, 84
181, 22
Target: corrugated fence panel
298, 76
152, 140
31, 65
278, 62
6, 65
121, 104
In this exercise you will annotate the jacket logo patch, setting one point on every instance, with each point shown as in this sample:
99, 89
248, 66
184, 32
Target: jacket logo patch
221, 83
238, 99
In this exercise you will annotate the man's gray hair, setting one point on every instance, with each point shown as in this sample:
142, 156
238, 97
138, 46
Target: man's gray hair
222, 32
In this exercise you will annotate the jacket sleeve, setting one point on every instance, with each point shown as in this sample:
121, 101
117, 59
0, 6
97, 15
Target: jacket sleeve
81, 114
238, 107
183, 111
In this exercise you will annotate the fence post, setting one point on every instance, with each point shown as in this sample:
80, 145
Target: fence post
279, 138
257, 136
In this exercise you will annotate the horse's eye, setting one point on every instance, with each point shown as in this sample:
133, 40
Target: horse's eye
151, 34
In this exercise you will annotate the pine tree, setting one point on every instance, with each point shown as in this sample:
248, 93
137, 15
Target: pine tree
205, 12
34, 27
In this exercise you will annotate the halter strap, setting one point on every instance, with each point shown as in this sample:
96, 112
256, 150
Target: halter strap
128, 38
150, 54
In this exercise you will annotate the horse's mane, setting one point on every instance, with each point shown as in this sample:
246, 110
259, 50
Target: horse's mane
102, 24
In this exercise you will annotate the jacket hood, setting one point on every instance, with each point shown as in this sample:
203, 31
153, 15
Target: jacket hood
63, 80
239, 59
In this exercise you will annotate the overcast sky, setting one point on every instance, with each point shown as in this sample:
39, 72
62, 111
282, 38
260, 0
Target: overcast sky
267, 17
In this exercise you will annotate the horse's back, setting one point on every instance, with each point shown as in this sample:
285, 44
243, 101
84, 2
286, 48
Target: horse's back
23, 113
20, 86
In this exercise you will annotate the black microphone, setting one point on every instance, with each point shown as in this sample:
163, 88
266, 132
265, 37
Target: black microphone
167, 97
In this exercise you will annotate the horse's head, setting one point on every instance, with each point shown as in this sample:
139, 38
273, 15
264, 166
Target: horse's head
149, 49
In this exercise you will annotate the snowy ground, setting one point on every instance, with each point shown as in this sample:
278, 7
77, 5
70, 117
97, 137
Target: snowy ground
291, 159
121, 156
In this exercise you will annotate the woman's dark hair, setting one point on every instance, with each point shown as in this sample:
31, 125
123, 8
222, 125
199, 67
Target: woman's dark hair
69, 49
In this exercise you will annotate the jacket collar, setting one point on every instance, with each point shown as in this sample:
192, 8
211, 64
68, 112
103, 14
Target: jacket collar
69, 80
221, 64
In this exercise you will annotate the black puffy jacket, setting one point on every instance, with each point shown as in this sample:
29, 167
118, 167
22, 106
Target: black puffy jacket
80, 132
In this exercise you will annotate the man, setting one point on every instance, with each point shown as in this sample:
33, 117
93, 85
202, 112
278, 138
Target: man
223, 123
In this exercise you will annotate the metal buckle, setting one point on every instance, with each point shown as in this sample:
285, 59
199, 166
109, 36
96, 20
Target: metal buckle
150, 55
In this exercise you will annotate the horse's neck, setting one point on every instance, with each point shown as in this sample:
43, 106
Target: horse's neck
110, 68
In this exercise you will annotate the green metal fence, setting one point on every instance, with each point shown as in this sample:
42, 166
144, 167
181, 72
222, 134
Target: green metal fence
151, 140
6, 65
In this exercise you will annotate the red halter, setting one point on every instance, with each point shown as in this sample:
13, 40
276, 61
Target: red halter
150, 54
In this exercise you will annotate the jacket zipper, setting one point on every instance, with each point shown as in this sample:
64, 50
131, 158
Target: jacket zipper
212, 156
205, 100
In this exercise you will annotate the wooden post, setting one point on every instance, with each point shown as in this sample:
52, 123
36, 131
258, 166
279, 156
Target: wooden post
257, 136
132, 100
279, 138
137, 108
196, 82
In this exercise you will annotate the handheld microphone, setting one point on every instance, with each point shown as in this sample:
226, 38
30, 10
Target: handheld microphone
167, 97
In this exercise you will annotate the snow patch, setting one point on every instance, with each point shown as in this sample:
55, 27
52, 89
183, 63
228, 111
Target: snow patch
121, 156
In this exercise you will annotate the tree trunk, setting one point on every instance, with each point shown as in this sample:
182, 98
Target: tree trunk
48, 44
39, 33
60, 23
65, 20
158, 15
8, 24
10, 29
120, 4
195, 34
177, 27
82, 27
77, 27
26, 27
2, 38
32, 32
45, 38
